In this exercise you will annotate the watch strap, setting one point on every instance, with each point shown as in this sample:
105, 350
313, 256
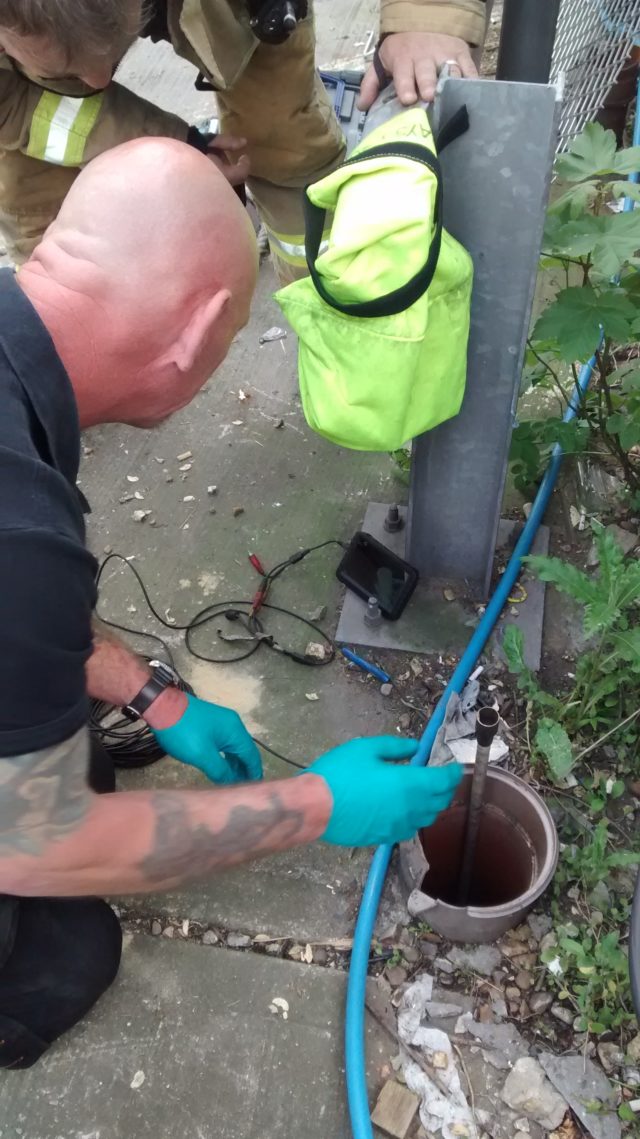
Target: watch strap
162, 676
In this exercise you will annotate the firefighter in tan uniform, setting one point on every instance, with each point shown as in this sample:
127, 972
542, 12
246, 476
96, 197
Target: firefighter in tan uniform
60, 106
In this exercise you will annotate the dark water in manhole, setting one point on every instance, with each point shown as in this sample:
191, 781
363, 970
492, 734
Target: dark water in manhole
504, 865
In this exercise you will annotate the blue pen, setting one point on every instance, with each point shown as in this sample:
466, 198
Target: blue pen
366, 666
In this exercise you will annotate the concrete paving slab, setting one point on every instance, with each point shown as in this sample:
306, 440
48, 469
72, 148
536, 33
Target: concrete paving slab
217, 1063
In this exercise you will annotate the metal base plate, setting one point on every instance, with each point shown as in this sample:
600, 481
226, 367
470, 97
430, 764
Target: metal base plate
430, 623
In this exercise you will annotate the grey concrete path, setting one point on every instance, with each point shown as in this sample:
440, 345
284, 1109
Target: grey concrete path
185, 1047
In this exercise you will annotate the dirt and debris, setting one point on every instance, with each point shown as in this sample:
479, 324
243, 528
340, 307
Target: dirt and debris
273, 334
395, 1110
315, 651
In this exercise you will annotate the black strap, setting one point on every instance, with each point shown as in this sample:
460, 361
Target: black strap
382, 75
202, 82
405, 295
454, 127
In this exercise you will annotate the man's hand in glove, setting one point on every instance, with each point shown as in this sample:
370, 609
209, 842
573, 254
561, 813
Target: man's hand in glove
213, 739
375, 801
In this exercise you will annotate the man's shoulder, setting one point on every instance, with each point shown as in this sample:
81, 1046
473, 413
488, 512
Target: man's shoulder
39, 430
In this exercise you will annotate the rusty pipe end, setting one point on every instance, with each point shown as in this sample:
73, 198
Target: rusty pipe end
487, 722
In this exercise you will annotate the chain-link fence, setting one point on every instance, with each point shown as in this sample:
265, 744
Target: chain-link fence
593, 41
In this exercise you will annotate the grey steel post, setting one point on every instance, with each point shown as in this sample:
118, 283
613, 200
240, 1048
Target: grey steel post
526, 40
496, 182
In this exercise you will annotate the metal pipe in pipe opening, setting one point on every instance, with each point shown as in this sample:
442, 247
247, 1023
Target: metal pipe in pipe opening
526, 40
487, 722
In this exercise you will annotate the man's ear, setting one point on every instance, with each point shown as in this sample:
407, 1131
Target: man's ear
192, 341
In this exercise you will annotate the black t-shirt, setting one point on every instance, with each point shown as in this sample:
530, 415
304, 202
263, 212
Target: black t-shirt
47, 575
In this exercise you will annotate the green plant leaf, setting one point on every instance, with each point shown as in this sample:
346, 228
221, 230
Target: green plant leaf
549, 954
574, 320
592, 152
604, 686
627, 645
554, 743
513, 647
610, 557
618, 189
627, 161
629, 434
575, 201
610, 240
573, 437
628, 379
626, 1113
571, 237
572, 946
624, 858
619, 240
567, 578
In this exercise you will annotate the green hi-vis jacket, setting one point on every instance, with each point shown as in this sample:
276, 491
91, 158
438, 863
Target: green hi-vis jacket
383, 320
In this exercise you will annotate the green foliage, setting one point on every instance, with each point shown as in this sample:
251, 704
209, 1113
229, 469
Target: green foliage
607, 677
598, 311
401, 460
595, 973
554, 744
588, 959
532, 443
594, 862
593, 154
574, 320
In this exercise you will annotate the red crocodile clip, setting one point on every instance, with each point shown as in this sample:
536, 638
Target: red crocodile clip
257, 564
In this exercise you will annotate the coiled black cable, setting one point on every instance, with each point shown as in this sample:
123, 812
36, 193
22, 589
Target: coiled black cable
134, 745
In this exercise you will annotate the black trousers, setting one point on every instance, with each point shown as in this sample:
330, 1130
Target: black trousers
65, 953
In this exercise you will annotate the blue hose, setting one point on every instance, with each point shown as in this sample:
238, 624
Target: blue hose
354, 1030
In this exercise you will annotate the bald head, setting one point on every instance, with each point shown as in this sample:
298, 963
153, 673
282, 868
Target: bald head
145, 276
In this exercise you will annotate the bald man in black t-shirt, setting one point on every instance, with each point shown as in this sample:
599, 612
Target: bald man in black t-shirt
96, 329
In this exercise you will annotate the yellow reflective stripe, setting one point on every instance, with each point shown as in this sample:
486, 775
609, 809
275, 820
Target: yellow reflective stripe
83, 125
60, 127
40, 123
291, 248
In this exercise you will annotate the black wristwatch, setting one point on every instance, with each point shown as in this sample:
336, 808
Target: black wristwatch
162, 676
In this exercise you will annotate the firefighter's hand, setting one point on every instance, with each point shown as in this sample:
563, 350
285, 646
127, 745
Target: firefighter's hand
413, 61
225, 150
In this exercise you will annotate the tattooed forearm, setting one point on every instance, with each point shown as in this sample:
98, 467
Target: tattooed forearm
58, 838
43, 795
183, 849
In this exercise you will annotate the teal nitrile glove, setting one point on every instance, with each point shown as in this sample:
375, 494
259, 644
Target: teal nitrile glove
376, 802
213, 739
